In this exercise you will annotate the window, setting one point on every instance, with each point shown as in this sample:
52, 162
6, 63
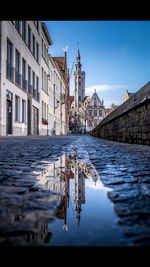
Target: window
90, 113
29, 37
17, 108
95, 103
44, 51
47, 113
42, 109
37, 88
47, 55
42, 47
33, 80
33, 45
9, 67
29, 78
95, 123
100, 113
37, 52
95, 112
33, 84
90, 123
37, 83
36, 24
23, 110
17, 25
79, 83
79, 98
17, 68
42, 77
23, 73
24, 30
47, 83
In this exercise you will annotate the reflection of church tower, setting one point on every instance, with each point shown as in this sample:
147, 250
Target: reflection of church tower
79, 190
79, 78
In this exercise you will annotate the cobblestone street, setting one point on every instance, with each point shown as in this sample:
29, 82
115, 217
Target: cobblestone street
28, 208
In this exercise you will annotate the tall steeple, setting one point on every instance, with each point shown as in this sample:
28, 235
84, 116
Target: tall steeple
79, 82
78, 64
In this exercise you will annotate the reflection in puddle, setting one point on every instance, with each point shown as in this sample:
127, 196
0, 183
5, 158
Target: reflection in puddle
68, 205
57, 178
84, 209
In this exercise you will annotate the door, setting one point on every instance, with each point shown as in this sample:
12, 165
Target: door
35, 117
29, 116
9, 117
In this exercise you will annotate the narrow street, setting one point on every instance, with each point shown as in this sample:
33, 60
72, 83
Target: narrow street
73, 190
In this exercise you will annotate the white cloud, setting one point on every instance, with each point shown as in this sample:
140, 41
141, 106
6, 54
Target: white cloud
105, 87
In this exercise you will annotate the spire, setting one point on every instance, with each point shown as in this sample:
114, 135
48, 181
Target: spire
78, 54
78, 57
95, 90
78, 64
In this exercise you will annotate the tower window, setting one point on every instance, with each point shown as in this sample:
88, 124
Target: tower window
100, 113
95, 112
95, 104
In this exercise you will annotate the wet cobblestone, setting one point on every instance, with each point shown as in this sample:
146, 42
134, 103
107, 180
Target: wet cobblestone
125, 168
25, 207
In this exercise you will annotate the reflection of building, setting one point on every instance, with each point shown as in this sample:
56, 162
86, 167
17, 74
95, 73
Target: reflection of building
56, 178
19, 228
79, 197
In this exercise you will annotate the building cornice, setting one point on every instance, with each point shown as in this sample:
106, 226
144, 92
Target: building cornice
46, 32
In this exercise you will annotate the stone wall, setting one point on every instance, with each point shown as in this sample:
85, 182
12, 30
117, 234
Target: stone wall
130, 122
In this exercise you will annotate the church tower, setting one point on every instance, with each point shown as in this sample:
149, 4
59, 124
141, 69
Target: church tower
79, 79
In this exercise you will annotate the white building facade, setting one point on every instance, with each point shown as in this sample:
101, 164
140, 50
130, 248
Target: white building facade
94, 111
44, 102
31, 84
20, 75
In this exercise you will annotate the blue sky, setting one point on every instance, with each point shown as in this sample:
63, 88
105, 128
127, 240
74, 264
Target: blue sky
115, 54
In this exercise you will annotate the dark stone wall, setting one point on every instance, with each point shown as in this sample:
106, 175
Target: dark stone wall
130, 122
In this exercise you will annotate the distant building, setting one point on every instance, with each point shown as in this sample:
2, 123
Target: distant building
85, 112
94, 111
127, 95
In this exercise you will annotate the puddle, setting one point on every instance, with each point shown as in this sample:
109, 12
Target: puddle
84, 216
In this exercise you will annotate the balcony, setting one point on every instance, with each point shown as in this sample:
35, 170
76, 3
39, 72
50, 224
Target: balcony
9, 71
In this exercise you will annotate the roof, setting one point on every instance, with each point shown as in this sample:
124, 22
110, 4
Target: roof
129, 94
60, 61
46, 32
